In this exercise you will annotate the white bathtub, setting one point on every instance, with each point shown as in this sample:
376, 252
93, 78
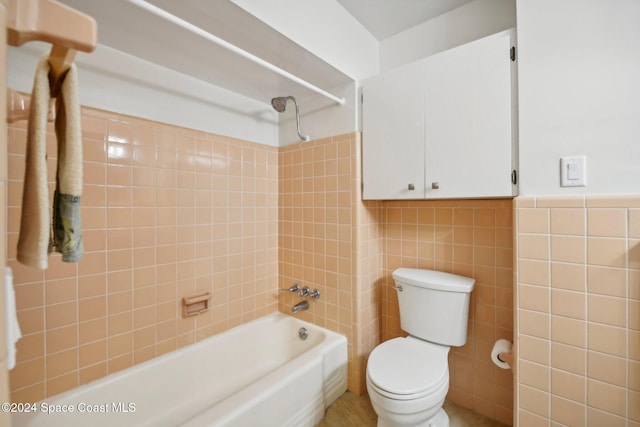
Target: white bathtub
257, 374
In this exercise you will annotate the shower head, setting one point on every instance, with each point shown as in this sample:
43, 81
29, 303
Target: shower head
280, 103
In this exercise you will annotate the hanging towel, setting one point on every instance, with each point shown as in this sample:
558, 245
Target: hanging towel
36, 240
13, 328
67, 224
34, 223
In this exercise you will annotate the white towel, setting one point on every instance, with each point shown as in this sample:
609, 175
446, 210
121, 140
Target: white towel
33, 242
36, 239
13, 328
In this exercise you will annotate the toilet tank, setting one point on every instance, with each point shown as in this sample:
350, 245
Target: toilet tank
434, 306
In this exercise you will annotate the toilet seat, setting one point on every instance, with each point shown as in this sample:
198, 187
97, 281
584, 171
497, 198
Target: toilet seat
408, 368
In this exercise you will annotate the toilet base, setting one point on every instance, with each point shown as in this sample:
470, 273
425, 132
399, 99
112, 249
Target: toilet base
440, 419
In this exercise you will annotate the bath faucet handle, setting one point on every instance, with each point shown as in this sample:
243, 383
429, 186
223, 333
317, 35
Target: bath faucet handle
294, 288
314, 295
304, 291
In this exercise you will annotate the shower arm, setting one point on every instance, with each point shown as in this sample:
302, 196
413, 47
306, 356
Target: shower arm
280, 104
305, 138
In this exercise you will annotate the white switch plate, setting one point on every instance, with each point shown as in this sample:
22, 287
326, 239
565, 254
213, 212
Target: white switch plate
573, 171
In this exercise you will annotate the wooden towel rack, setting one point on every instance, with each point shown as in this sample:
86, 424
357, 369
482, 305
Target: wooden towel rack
67, 29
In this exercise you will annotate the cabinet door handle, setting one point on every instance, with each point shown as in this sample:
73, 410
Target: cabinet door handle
435, 185
411, 187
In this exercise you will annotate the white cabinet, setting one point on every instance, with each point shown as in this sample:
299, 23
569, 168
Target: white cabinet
393, 135
443, 127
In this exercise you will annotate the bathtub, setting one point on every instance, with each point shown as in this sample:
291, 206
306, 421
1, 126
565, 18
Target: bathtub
257, 374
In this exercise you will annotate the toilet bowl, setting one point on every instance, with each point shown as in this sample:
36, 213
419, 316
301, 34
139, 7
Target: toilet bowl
407, 381
408, 378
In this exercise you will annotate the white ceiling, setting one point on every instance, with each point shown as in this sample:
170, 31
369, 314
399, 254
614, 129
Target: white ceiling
128, 28
131, 30
384, 18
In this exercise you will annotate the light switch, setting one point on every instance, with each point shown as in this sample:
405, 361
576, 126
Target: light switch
573, 171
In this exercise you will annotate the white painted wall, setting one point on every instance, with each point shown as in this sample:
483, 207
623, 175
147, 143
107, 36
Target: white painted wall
579, 93
114, 81
469, 22
325, 29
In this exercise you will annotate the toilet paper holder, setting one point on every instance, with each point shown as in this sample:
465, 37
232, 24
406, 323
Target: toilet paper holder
502, 354
506, 357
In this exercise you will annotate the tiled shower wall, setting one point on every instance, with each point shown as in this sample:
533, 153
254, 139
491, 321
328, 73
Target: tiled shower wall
472, 238
578, 311
167, 212
330, 240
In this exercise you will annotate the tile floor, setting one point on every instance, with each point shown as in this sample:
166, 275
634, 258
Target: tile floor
351, 410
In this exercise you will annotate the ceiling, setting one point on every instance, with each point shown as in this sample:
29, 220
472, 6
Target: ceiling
129, 29
385, 18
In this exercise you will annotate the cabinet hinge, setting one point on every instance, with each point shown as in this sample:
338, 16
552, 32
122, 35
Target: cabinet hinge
512, 53
514, 177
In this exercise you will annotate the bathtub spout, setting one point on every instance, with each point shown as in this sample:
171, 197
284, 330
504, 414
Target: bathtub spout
302, 305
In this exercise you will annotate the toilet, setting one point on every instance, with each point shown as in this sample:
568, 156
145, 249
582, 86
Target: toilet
408, 378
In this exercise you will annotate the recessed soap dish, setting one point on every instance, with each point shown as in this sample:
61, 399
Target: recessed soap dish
195, 304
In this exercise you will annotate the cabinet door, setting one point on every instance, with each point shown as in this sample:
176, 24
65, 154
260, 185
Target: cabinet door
393, 135
468, 107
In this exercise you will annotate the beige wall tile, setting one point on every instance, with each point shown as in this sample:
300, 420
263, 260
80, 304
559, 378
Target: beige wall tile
534, 298
596, 417
568, 304
568, 222
533, 246
534, 401
62, 383
608, 310
607, 222
568, 249
568, 331
568, 385
533, 220
607, 281
534, 272
567, 412
534, 375
524, 202
613, 201
606, 397
534, 323
606, 252
568, 276
569, 358
607, 368
531, 419
560, 201
534, 349
607, 339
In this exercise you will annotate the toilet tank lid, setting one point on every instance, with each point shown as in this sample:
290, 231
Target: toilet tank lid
434, 279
